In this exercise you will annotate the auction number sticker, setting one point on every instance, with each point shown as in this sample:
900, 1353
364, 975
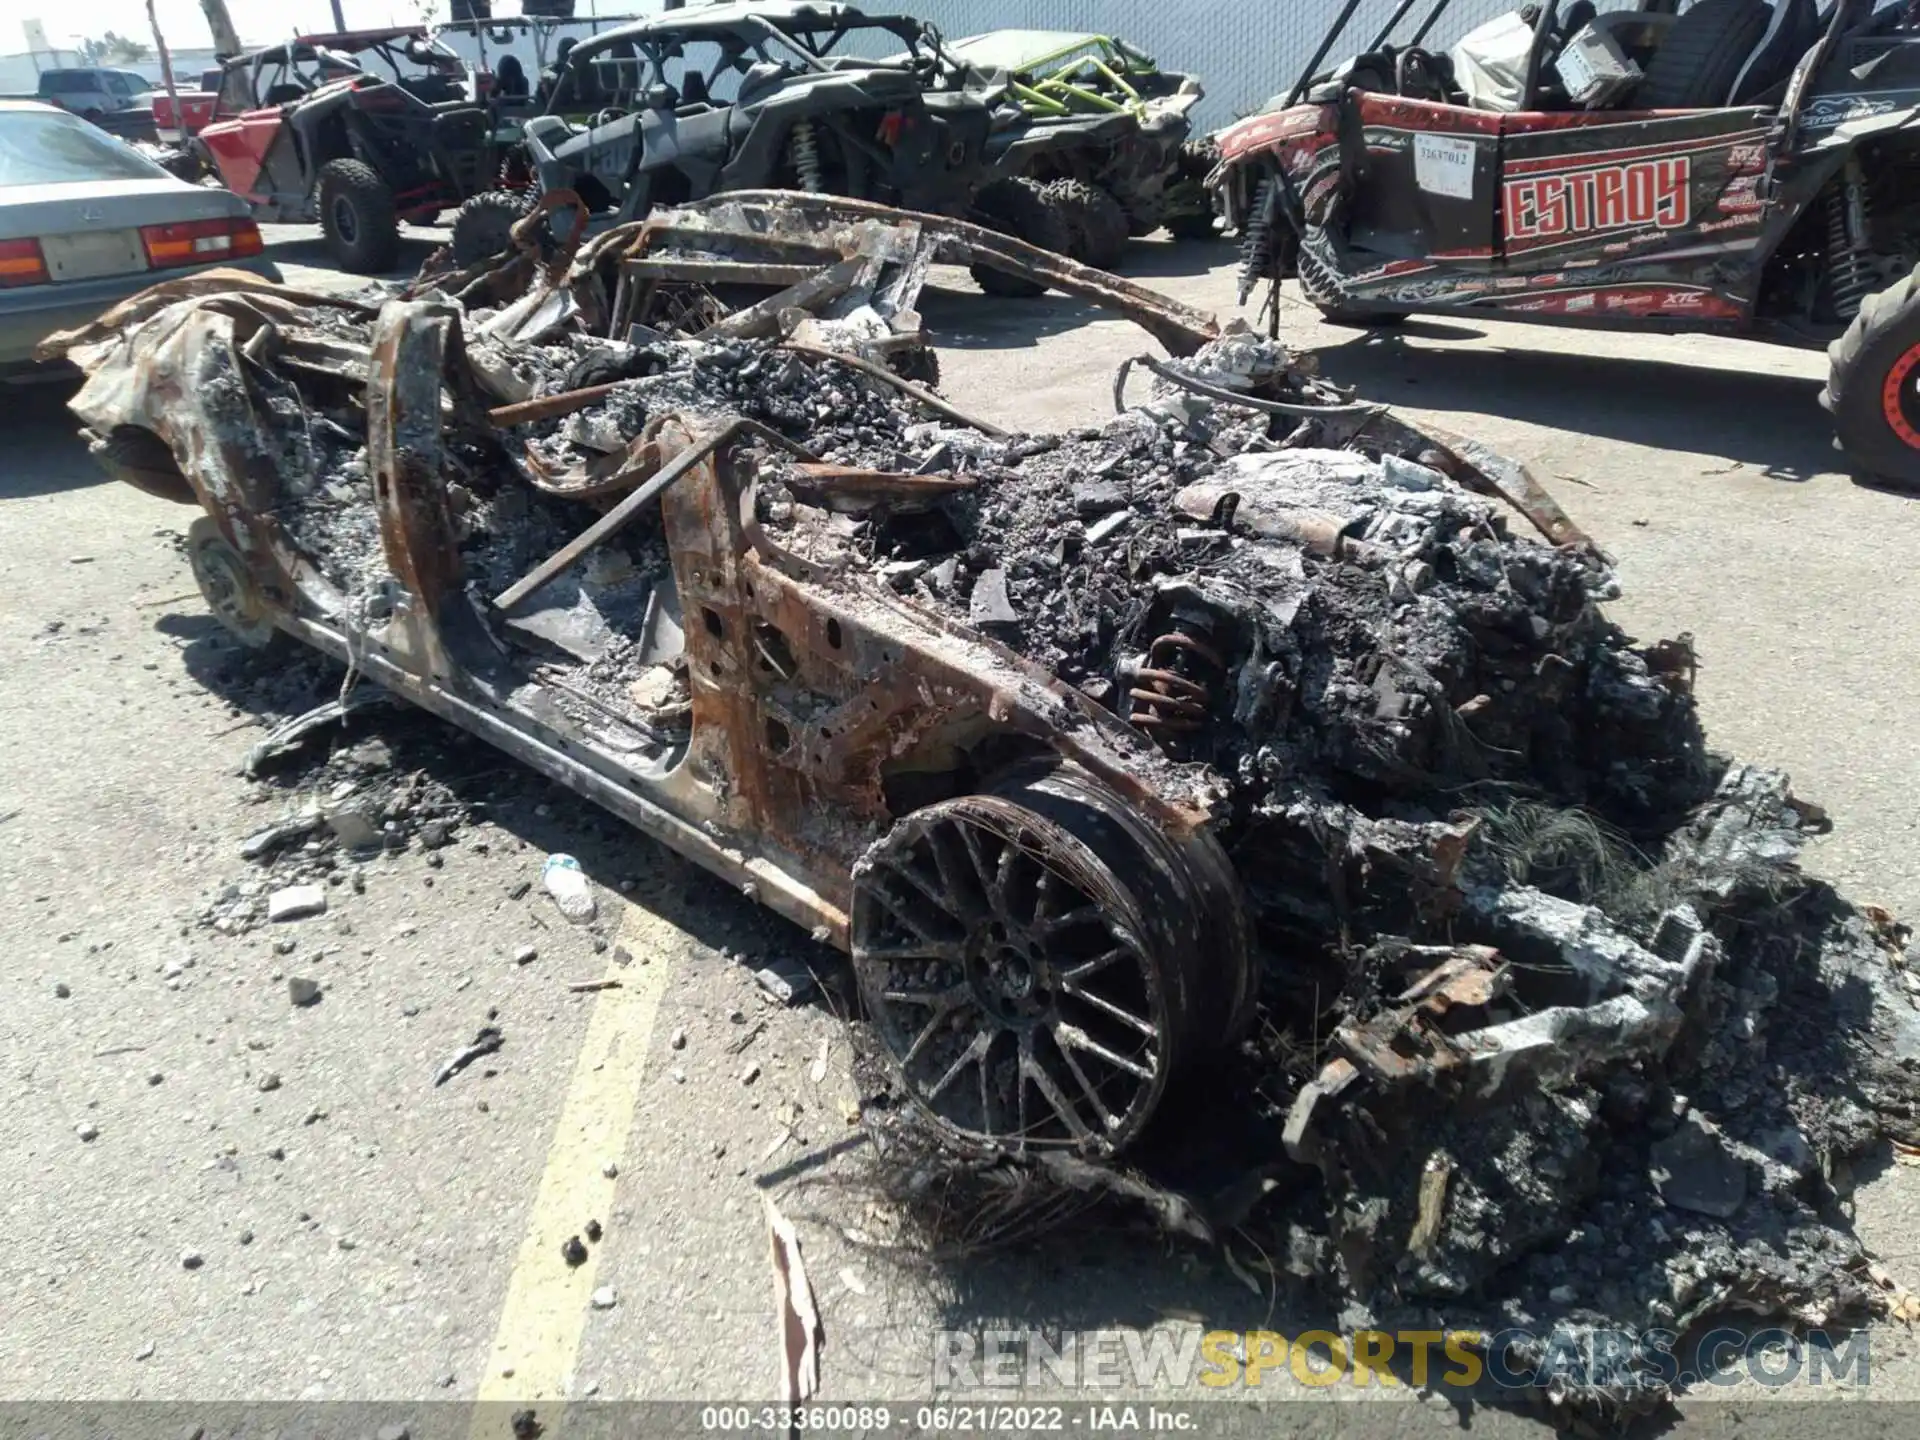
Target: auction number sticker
1443, 165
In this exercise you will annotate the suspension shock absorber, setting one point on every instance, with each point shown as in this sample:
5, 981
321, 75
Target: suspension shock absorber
1171, 689
1849, 242
803, 153
1256, 238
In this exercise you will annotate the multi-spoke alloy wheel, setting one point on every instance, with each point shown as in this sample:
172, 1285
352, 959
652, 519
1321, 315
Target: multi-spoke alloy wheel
1033, 960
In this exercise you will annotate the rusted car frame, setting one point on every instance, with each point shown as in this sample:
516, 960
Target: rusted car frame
1044, 923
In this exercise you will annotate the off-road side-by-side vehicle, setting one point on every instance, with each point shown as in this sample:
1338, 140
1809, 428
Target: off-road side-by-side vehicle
783, 96
735, 97
1103, 126
358, 131
1733, 167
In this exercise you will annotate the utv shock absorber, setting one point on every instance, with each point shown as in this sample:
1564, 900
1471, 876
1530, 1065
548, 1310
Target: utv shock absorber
803, 154
1256, 242
1849, 247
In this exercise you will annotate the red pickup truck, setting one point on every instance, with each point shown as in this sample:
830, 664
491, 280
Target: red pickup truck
197, 108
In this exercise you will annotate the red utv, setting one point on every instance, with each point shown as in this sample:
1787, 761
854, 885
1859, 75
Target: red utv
359, 131
1735, 166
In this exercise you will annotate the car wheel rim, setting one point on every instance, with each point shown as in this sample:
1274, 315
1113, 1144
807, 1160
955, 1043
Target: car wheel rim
230, 591
1003, 974
344, 222
1900, 398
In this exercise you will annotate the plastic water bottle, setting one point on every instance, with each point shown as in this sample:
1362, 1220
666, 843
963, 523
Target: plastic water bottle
569, 887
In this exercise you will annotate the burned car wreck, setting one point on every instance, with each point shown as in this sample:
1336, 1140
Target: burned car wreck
1233, 792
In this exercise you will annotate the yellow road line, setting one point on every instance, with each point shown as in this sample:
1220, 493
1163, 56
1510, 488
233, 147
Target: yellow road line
548, 1301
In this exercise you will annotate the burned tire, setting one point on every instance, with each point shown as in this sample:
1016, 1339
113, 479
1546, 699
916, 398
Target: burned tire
483, 226
1096, 224
1873, 387
229, 589
1042, 963
1019, 208
357, 216
1702, 56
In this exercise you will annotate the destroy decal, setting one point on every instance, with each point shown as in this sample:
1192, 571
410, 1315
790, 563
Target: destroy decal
1612, 197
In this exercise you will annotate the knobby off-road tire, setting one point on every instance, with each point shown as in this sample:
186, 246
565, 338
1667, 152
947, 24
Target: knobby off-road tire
357, 217
1020, 208
1702, 56
1873, 387
1188, 205
483, 226
1096, 222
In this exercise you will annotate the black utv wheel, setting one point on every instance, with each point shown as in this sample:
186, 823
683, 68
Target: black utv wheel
356, 214
1096, 222
1022, 209
483, 227
1188, 205
1873, 387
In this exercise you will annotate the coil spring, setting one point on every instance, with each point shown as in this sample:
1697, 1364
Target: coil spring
1256, 243
1849, 261
1167, 699
803, 153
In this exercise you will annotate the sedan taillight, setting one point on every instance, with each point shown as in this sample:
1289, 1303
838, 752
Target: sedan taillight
21, 263
200, 242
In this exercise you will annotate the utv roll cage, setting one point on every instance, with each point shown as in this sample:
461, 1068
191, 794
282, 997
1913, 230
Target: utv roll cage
1838, 18
1088, 74
806, 35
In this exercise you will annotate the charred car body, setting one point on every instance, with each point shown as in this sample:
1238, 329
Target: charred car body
1242, 738
312, 133
1733, 167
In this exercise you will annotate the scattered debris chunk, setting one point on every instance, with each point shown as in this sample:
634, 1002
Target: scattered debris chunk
569, 887
1693, 1170
796, 1313
605, 1298
297, 902
486, 1042
302, 990
284, 739
265, 841
573, 1251
788, 982
989, 604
